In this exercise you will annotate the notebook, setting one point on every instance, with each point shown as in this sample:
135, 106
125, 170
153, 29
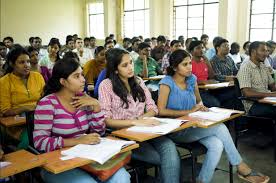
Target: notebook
166, 125
223, 84
100, 153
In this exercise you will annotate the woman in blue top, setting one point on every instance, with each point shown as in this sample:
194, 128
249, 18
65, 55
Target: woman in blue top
179, 96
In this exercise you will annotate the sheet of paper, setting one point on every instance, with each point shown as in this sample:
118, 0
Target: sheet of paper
99, 152
158, 77
166, 125
223, 84
214, 114
4, 164
273, 99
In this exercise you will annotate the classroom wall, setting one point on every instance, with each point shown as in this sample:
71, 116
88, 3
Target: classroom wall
22, 19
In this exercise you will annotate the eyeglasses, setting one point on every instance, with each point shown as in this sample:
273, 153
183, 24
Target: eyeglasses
225, 45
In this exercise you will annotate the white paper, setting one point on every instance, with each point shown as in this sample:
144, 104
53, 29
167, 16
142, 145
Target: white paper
99, 152
166, 125
4, 164
157, 77
273, 99
66, 157
214, 114
223, 84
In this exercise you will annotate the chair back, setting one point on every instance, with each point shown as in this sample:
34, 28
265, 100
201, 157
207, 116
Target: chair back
30, 126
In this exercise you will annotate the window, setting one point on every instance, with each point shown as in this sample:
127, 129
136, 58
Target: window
96, 19
262, 20
136, 18
192, 18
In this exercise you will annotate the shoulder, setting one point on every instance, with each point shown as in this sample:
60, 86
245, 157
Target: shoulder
191, 79
106, 83
167, 80
5, 78
48, 100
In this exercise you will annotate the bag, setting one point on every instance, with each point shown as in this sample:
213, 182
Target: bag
105, 171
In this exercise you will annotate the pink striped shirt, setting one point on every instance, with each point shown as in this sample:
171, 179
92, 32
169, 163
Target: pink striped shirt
53, 123
111, 104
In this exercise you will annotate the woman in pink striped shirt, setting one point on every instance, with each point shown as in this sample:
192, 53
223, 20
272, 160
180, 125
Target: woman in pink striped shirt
126, 100
64, 116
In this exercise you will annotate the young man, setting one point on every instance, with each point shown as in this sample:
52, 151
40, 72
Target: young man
83, 53
256, 81
212, 51
159, 51
37, 44
134, 53
8, 41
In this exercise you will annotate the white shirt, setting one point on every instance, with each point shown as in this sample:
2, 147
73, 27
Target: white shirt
236, 58
86, 56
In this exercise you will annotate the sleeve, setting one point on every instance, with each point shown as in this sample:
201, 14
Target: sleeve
166, 81
105, 98
5, 95
218, 75
99, 80
43, 124
150, 105
96, 122
244, 78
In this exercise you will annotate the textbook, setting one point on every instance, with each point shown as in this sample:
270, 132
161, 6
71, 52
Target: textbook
166, 125
214, 114
101, 152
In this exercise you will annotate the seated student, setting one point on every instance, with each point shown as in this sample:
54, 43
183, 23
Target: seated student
145, 66
158, 52
212, 51
225, 70
174, 45
203, 71
135, 41
127, 44
92, 68
126, 101
3, 58
48, 61
245, 48
36, 42
8, 41
269, 59
64, 116
69, 46
204, 38
179, 96
256, 81
84, 54
20, 89
93, 45
234, 53
34, 59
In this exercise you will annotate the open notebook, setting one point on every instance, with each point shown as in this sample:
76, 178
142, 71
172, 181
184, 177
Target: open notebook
100, 153
166, 125
214, 114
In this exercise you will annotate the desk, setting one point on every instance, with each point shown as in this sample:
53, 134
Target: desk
215, 86
21, 161
12, 121
193, 122
55, 165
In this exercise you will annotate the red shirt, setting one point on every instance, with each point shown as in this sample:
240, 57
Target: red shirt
200, 70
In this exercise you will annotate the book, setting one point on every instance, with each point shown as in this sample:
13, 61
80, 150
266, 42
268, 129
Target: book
166, 125
100, 153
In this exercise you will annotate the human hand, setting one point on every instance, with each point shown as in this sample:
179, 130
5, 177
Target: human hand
92, 138
85, 100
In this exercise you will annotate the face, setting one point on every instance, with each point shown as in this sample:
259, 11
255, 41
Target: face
135, 45
8, 43
34, 57
247, 47
93, 42
126, 44
184, 68
75, 82
198, 51
79, 44
270, 49
260, 53
71, 45
101, 55
145, 51
22, 66
109, 46
126, 67
86, 43
53, 50
3, 51
205, 40
236, 49
154, 42
36, 43
176, 47
223, 48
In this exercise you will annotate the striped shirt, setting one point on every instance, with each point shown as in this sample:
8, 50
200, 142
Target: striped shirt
53, 123
223, 68
111, 103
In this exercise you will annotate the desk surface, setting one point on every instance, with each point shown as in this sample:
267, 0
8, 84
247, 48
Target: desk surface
213, 86
21, 161
155, 78
12, 121
55, 165
192, 122
267, 101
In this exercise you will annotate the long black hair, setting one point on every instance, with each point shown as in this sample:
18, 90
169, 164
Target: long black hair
114, 57
175, 59
62, 69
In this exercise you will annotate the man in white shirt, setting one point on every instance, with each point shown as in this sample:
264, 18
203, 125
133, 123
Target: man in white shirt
84, 54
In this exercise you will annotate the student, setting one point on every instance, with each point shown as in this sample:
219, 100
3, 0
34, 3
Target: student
159, 51
204, 73
126, 101
182, 40
134, 53
255, 81
62, 118
148, 41
84, 54
86, 42
34, 59
20, 89
205, 38
245, 48
187, 43
36, 43
154, 42
69, 46
8, 41
127, 44
212, 51
234, 53
48, 61
179, 96
93, 45
92, 68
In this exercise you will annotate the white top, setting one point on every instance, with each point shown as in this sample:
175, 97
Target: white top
86, 56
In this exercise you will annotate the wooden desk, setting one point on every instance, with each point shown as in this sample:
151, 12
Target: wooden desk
267, 101
55, 165
193, 122
12, 121
21, 161
208, 87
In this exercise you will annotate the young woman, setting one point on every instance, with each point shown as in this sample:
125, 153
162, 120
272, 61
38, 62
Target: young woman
20, 90
63, 118
34, 59
179, 96
126, 101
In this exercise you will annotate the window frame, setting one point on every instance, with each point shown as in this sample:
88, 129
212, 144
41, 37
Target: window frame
95, 14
